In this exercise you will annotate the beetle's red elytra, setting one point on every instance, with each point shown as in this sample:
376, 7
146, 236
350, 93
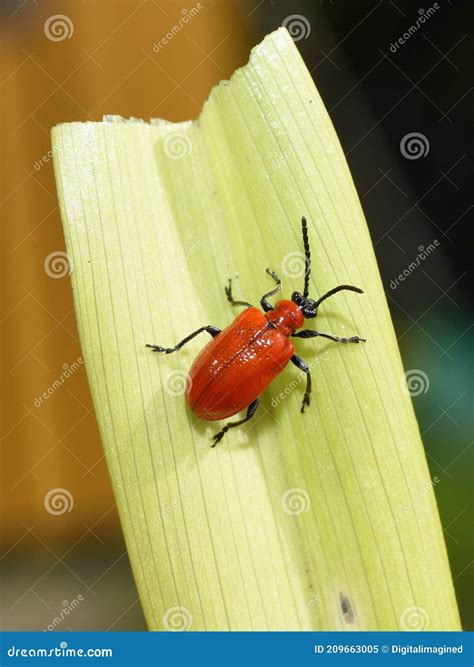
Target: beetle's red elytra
239, 363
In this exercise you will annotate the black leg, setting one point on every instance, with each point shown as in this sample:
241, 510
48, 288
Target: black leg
303, 366
266, 305
230, 298
250, 413
209, 328
310, 333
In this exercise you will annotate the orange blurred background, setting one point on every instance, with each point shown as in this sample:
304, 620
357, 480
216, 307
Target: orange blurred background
96, 58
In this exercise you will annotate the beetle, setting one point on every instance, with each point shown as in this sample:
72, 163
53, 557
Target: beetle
232, 370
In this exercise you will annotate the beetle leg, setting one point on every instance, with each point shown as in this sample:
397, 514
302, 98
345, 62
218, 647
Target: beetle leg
213, 331
303, 366
310, 333
266, 305
230, 298
250, 413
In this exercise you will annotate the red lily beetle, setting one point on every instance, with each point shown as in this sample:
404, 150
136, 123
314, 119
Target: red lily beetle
234, 368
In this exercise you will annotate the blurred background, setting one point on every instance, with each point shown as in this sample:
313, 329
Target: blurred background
402, 113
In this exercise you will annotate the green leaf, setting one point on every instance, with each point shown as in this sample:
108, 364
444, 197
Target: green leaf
322, 521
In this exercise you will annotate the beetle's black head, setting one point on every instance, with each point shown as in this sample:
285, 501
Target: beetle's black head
308, 306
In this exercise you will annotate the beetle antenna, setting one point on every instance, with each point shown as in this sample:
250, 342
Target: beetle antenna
307, 256
339, 288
